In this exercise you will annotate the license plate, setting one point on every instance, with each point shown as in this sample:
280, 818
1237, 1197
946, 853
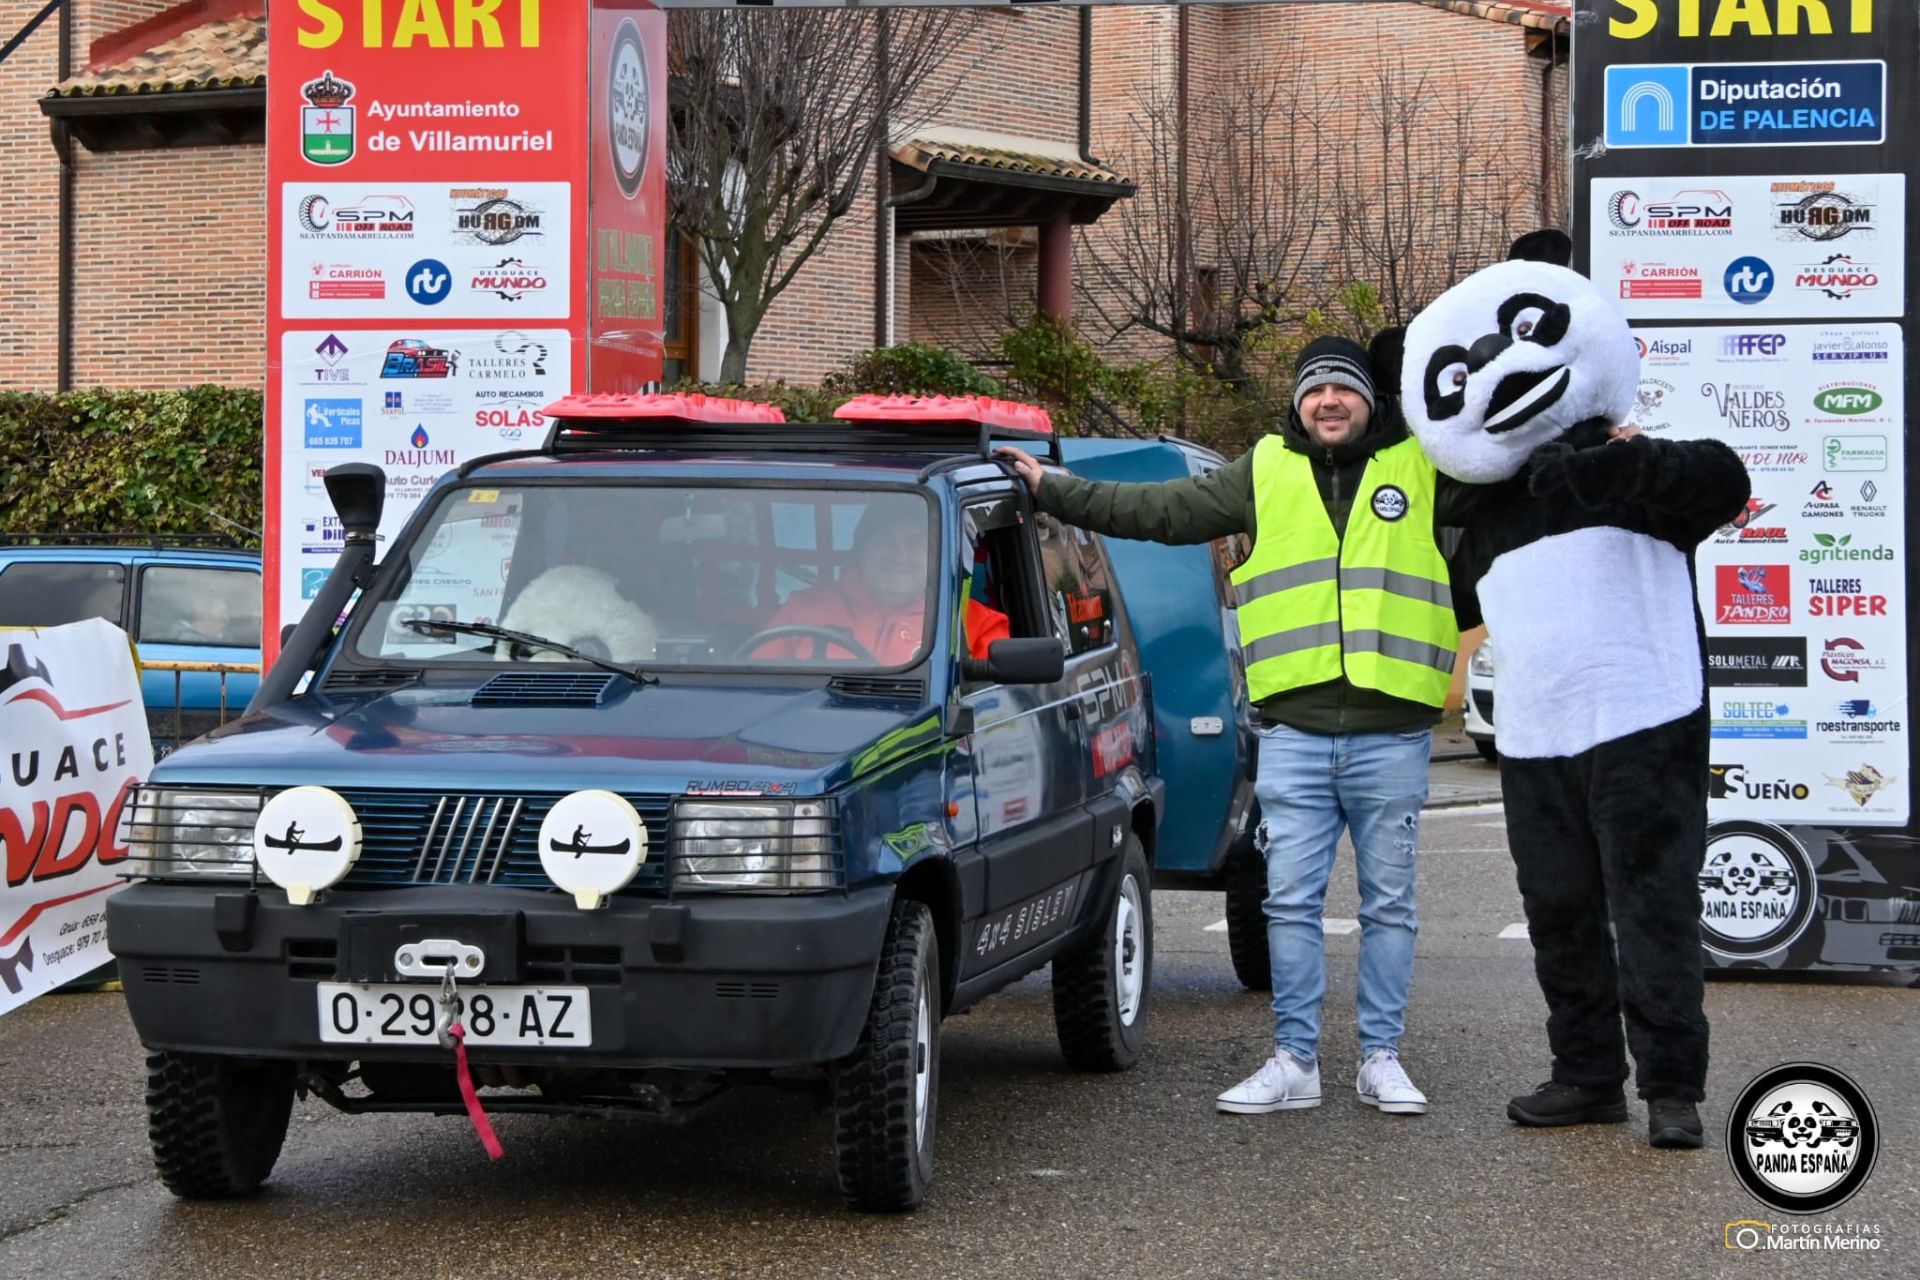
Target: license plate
376, 1013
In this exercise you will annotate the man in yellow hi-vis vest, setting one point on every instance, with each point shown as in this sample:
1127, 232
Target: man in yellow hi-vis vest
1348, 635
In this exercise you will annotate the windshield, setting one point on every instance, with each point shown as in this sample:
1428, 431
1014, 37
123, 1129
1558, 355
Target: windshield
641, 574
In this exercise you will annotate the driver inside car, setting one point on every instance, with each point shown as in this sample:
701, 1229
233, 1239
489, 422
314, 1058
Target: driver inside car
879, 601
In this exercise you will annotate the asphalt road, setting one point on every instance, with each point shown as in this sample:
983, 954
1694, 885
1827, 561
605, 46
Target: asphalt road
1040, 1172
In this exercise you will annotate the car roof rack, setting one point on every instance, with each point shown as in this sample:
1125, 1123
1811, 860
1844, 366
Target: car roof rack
154, 541
866, 424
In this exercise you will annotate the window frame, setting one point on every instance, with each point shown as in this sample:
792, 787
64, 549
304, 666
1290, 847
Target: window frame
126, 577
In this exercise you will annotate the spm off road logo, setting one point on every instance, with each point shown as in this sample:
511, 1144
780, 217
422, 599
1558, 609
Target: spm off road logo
1801, 1138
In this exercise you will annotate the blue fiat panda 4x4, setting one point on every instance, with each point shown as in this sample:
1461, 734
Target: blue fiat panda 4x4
689, 748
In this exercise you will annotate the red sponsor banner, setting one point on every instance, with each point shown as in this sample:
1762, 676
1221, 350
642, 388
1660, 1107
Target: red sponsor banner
434, 175
627, 196
1753, 594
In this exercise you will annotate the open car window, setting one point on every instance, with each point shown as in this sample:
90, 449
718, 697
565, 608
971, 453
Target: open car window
697, 575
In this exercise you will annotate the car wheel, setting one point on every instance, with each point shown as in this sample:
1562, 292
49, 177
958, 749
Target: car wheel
1247, 919
1488, 752
886, 1095
216, 1124
1101, 987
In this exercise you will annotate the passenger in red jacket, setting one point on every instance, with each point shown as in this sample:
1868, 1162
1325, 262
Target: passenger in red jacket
880, 601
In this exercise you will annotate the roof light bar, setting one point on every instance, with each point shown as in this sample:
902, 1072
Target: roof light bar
662, 408
1009, 418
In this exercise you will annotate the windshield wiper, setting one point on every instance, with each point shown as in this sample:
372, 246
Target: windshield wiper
528, 640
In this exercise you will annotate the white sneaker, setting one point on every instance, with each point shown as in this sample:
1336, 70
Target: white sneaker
1281, 1084
1383, 1083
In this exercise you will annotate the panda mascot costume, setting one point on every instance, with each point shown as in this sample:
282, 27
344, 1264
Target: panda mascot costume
1579, 547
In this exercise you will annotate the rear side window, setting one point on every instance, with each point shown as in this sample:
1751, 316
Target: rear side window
180, 605
56, 593
1079, 593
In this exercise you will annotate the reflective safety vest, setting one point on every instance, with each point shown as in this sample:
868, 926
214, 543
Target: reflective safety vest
1373, 605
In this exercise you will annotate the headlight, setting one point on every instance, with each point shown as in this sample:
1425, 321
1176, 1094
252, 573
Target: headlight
760, 844
1482, 663
175, 835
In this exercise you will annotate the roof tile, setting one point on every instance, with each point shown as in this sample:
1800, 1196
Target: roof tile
226, 54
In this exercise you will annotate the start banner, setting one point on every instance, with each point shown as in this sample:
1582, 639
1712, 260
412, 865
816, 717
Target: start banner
466, 214
73, 732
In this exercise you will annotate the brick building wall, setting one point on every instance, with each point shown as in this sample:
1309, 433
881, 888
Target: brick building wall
1013, 71
169, 281
29, 235
169, 246
170, 268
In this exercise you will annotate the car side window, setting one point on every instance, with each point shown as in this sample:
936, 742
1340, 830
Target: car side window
183, 605
52, 594
1000, 574
1079, 593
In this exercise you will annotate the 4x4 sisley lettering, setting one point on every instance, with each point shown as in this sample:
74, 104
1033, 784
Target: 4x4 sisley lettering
682, 753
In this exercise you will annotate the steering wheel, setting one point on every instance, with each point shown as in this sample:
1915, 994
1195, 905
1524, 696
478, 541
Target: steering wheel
831, 635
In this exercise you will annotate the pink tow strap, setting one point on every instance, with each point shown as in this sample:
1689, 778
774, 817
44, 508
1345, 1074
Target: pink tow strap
471, 1096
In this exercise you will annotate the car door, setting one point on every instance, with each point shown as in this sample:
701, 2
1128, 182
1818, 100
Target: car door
194, 614
1102, 672
1027, 744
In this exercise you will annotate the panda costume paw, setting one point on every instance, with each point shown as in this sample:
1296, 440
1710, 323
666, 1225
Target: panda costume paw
1582, 562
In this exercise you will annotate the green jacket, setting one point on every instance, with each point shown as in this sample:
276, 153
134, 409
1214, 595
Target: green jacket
1219, 505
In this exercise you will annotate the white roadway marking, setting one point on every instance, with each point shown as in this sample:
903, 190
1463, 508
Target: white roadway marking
1331, 924
1469, 810
1515, 930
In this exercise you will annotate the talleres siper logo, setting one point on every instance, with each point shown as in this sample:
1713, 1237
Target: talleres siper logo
1801, 1138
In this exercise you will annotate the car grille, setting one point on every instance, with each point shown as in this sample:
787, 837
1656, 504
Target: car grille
1483, 703
421, 837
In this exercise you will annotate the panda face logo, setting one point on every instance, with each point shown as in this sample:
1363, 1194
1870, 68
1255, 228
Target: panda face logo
1507, 360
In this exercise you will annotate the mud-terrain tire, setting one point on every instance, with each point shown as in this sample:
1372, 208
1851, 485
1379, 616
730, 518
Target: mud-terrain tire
1101, 987
1247, 919
216, 1124
886, 1094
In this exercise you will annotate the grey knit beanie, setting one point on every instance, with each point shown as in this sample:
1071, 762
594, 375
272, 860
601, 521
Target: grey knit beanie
1339, 361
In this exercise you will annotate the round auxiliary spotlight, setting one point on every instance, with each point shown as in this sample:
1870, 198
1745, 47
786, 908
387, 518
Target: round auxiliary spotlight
305, 840
592, 844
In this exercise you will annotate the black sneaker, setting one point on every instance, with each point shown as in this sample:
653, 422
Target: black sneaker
1554, 1104
1673, 1122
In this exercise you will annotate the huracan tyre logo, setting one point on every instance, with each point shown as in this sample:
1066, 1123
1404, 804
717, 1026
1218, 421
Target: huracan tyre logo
326, 126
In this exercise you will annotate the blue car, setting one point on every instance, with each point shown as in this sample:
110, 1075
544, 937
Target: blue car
689, 748
1179, 601
188, 603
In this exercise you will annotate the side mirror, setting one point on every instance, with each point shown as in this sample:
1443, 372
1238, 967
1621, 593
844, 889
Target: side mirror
286, 633
1039, 660
358, 491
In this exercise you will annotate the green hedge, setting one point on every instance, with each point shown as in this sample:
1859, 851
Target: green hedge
131, 461
189, 461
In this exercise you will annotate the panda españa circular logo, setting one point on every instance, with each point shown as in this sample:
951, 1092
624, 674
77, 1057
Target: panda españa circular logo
1802, 1138
628, 124
1757, 890
1390, 502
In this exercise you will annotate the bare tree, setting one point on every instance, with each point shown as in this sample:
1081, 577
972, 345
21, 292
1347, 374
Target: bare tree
1422, 195
776, 117
1218, 243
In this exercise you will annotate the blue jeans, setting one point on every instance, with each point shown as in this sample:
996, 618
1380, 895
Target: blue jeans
1312, 786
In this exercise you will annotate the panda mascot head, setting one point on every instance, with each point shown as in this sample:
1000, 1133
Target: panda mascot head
1513, 357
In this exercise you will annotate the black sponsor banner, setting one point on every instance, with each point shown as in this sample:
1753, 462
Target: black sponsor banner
1741, 178
1740, 662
